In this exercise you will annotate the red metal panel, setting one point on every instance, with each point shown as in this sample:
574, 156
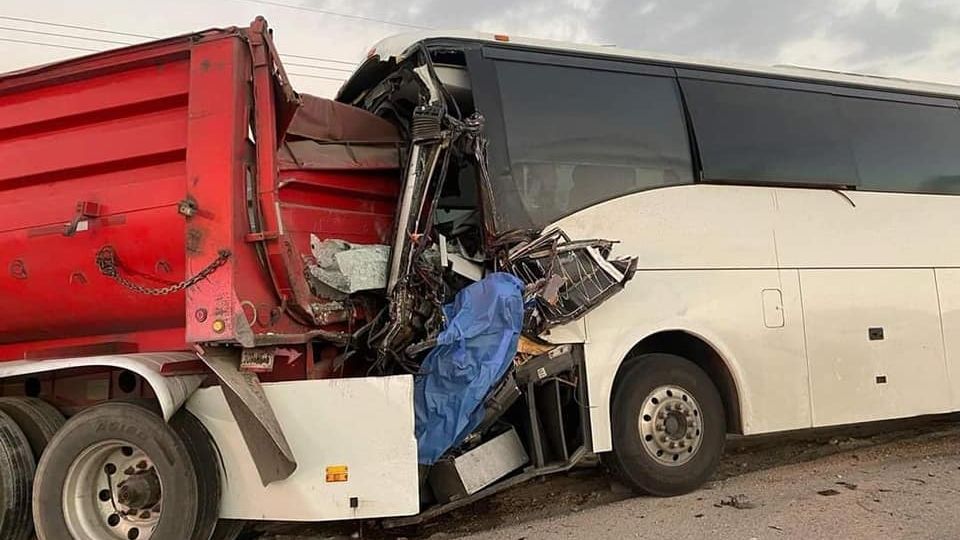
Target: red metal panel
166, 153
98, 96
215, 175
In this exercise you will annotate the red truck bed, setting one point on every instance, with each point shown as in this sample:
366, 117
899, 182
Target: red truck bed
159, 163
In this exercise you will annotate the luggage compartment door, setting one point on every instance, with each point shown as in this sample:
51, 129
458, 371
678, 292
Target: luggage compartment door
874, 344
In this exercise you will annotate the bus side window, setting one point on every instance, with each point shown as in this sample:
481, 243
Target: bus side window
577, 137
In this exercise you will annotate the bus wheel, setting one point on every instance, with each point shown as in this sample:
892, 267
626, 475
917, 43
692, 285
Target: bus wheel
16, 475
38, 420
228, 529
668, 425
115, 471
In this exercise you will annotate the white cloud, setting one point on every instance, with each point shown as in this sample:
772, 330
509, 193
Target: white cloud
819, 51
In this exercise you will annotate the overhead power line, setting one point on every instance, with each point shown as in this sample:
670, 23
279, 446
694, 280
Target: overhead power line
55, 34
311, 66
76, 27
337, 14
136, 35
314, 76
28, 42
316, 58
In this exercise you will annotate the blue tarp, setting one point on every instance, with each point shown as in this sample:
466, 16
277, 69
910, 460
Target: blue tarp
472, 354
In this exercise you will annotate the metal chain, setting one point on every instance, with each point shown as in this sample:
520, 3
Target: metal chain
107, 262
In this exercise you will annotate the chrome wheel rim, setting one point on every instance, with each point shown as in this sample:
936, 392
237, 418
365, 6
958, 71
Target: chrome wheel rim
112, 492
671, 425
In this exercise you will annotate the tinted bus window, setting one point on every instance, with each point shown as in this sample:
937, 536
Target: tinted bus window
769, 135
905, 147
577, 137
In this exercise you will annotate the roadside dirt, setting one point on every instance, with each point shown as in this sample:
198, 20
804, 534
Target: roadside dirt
761, 479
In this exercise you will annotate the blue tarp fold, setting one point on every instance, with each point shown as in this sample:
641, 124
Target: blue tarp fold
472, 354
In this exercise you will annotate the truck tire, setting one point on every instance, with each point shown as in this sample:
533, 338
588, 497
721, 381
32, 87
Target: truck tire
38, 420
668, 425
16, 476
115, 470
206, 463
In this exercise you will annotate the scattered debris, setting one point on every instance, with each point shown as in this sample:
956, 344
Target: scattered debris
698, 515
740, 502
828, 492
774, 527
848, 485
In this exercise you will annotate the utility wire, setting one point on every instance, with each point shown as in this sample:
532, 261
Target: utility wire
315, 77
336, 14
295, 64
9, 40
85, 49
303, 57
142, 36
76, 27
55, 34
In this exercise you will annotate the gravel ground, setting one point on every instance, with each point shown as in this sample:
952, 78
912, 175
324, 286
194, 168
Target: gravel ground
895, 480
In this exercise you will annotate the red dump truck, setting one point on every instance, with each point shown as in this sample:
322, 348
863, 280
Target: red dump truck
225, 301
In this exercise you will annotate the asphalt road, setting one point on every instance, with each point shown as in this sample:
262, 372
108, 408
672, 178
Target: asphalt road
891, 480
909, 489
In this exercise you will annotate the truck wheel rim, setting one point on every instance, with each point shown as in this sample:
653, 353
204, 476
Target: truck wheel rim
112, 491
671, 425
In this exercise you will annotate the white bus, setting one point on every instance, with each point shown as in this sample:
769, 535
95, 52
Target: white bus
795, 268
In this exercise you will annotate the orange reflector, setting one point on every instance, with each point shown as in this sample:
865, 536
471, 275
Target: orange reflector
337, 473
501, 37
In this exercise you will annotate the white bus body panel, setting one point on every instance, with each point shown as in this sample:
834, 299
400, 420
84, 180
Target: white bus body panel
784, 284
366, 424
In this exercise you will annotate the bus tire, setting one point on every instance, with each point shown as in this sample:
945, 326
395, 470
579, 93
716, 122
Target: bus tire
16, 476
38, 420
228, 529
206, 463
101, 474
668, 425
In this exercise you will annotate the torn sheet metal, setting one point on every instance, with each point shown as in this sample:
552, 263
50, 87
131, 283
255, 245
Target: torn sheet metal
347, 267
565, 279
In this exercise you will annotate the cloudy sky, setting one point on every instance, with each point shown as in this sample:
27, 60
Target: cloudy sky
917, 39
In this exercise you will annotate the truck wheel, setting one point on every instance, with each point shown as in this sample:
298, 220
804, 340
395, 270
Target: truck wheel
115, 471
668, 425
38, 420
206, 463
16, 475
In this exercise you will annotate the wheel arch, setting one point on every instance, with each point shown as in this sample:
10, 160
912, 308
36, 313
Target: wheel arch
703, 353
171, 391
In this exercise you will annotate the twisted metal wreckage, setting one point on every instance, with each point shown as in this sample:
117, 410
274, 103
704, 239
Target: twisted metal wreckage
462, 311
